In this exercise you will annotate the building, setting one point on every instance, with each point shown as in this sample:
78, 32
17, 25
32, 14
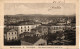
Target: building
55, 28
41, 42
44, 29
5, 33
33, 41
12, 35
12, 26
68, 27
26, 27
22, 35
40, 30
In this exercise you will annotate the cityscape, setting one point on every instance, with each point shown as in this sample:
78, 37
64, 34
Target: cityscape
39, 29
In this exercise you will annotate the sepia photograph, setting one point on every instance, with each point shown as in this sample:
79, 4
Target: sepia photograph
41, 24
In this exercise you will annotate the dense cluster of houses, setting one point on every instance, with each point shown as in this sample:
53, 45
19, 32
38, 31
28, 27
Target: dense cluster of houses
23, 29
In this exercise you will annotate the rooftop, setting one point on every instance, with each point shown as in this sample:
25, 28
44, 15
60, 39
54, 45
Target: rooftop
30, 39
12, 30
23, 23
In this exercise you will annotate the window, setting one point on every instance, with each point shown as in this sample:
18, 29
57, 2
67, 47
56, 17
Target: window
28, 26
21, 30
28, 29
9, 33
21, 27
25, 30
12, 32
9, 38
15, 37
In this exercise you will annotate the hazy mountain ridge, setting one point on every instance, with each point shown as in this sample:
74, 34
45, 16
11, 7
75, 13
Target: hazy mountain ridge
36, 16
39, 17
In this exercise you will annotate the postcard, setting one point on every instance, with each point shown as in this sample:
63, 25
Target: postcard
39, 24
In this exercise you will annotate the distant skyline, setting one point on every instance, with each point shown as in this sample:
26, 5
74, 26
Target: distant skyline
39, 8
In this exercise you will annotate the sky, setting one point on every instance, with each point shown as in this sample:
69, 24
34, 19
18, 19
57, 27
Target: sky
39, 8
